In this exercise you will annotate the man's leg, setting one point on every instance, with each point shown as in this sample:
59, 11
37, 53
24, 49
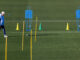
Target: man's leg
3, 30
0, 27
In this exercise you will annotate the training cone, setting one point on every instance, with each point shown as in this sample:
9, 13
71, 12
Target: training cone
67, 27
40, 27
17, 27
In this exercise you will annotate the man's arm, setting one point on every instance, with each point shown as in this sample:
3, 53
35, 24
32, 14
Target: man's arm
0, 21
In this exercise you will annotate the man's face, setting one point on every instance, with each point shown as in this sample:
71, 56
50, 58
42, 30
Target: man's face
2, 14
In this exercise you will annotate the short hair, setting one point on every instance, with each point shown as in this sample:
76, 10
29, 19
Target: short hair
3, 12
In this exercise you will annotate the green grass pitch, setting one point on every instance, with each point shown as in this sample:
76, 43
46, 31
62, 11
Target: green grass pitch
53, 42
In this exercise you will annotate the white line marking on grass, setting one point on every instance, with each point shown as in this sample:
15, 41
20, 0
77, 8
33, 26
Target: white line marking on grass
43, 21
47, 32
59, 32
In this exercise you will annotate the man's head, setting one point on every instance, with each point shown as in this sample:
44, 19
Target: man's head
2, 13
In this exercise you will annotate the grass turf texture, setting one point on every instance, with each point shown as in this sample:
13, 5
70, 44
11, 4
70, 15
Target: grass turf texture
49, 46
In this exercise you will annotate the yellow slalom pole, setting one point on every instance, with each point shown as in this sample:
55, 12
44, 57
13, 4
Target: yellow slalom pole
17, 27
23, 37
6, 49
36, 29
67, 27
31, 46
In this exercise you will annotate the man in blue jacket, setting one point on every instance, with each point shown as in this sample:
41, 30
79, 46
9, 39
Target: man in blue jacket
2, 23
